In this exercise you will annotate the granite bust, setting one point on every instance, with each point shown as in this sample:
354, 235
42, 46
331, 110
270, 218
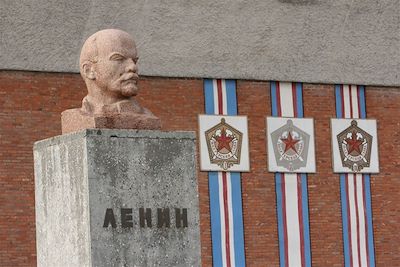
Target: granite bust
108, 65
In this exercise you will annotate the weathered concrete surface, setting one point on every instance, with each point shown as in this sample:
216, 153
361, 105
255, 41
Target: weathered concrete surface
62, 202
120, 169
343, 41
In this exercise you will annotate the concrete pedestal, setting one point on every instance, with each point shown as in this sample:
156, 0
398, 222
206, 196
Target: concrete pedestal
117, 198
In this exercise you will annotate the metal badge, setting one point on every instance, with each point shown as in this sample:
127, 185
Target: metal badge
290, 146
224, 145
355, 147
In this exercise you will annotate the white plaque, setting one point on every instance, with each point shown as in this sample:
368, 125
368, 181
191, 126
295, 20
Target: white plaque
354, 146
224, 144
291, 145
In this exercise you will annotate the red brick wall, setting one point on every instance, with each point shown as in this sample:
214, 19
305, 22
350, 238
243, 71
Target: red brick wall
324, 186
384, 105
30, 107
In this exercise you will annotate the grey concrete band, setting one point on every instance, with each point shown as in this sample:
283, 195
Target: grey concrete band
313, 41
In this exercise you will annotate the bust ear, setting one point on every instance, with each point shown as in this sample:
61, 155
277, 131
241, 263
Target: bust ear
88, 70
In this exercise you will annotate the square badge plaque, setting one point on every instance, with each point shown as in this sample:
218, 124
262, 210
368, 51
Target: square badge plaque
291, 145
224, 144
354, 146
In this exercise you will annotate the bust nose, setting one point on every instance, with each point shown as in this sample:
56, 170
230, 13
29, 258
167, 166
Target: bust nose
131, 66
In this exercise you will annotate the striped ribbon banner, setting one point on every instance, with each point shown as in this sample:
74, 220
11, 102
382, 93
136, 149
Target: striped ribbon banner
355, 189
291, 188
225, 187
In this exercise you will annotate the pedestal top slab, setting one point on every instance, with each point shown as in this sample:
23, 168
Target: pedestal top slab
152, 134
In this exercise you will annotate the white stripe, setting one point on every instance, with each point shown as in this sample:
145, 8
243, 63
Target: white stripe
286, 99
353, 220
346, 100
224, 103
354, 101
230, 214
215, 91
292, 215
291, 194
222, 217
361, 216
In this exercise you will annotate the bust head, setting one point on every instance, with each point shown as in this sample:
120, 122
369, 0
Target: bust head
108, 66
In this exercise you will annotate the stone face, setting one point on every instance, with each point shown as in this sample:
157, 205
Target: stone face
95, 191
108, 65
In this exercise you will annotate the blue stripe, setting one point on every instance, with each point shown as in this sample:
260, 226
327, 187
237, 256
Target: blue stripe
338, 96
304, 191
209, 96
343, 184
306, 224
238, 235
231, 97
237, 215
299, 97
363, 112
343, 195
213, 186
367, 188
273, 99
278, 184
215, 218
237, 219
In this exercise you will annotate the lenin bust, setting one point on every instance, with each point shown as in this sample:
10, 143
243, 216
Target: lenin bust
108, 65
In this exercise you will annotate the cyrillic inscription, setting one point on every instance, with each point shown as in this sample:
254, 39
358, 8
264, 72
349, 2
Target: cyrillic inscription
145, 218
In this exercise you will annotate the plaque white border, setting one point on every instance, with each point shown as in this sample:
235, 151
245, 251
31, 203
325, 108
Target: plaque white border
206, 122
305, 124
368, 125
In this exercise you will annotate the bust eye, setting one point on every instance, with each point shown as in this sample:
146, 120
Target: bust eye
116, 57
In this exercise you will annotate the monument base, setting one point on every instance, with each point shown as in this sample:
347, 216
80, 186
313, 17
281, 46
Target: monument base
117, 198
73, 120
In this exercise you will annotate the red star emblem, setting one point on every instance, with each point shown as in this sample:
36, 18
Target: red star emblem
224, 141
289, 143
354, 144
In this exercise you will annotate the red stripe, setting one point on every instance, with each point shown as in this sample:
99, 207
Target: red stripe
351, 102
357, 219
285, 237
300, 208
226, 213
219, 88
294, 98
366, 221
278, 100
348, 220
358, 101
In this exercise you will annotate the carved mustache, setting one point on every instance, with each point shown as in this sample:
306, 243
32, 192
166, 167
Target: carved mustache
129, 76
